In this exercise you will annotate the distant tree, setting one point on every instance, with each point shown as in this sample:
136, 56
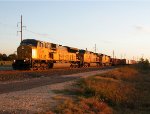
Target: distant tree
1, 57
12, 57
4, 57
144, 64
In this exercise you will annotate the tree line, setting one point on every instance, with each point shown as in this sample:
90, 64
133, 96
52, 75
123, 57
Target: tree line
144, 64
4, 57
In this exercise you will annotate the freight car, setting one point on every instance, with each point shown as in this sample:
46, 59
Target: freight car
116, 61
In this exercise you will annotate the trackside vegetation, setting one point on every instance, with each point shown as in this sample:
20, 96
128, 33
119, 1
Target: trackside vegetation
124, 90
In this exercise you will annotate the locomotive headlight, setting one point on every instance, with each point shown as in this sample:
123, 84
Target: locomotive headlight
14, 61
34, 53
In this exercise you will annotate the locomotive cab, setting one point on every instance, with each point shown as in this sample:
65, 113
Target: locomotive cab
25, 53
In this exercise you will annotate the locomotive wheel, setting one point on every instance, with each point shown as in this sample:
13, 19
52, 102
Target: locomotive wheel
71, 66
50, 65
44, 66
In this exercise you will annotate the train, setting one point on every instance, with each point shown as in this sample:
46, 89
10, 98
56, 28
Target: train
35, 54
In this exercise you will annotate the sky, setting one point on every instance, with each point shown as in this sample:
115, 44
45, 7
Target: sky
122, 26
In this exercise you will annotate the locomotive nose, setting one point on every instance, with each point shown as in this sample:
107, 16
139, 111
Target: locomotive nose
24, 52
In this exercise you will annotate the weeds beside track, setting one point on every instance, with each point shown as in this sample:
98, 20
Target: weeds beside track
121, 91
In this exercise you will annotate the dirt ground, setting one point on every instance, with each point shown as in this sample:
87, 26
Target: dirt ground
38, 98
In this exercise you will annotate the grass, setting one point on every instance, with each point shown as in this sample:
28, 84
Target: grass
121, 91
5, 63
111, 91
83, 106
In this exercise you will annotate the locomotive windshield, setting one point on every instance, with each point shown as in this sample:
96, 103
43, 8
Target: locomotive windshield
81, 51
31, 42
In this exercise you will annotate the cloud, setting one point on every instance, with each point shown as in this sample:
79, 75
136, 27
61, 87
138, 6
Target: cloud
139, 27
142, 28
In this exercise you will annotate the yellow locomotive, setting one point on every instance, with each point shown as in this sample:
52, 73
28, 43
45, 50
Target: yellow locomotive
87, 58
35, 54
105, 60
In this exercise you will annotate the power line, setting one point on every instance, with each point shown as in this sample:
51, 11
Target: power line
14, 27
39, 34
36, 33
95, 48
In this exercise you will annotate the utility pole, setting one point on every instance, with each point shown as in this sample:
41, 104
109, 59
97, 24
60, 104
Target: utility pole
20, 28
113, 58
113, 54
95, 48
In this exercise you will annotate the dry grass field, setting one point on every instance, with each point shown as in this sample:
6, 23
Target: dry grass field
121, 91
5, 63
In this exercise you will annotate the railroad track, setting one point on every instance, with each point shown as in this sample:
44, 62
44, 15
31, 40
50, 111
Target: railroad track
29, 79
2, 68
13, 75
